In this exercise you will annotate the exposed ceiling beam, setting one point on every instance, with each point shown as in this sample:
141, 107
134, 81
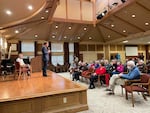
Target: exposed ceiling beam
129, 23
94, 12
72, 21
55, 2
81, 10
141, 5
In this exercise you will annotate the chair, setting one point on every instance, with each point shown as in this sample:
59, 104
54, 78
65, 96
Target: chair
142, 87
20, 70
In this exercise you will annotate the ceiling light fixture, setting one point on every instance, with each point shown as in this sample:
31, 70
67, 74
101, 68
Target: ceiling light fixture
30, 7
148, 42
125, 41
84, 28
78, 37
90, 38
36, 36
46, 11
69, 28
53, 36
146, 23
133, 16
56, 26
124, 31
16, 31
108, 36
8, 12
65, 36
112, 25
42, 17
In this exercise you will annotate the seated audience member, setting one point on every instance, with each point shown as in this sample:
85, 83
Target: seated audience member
97, 64
119, 79
113, 67
120, 67
77, 72
141, 66
94, 77
22, 64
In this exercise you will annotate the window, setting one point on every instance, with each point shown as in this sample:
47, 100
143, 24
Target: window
27, 46
57, 53
71, 47
71, 58
71, 52
57, 47
57, 60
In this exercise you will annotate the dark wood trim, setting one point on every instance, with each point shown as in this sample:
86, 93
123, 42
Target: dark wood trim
76, 49
19, 49
66, 53
35, 49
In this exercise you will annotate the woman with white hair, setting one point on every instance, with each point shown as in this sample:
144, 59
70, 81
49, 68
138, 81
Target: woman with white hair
119, 79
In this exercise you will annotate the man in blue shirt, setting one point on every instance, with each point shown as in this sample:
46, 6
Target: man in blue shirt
119, 79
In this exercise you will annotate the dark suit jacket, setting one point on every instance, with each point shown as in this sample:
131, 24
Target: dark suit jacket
45, 54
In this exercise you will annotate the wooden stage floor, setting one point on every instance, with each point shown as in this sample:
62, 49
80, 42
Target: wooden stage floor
38, 94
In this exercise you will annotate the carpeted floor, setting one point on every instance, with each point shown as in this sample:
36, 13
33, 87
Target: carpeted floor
100, 102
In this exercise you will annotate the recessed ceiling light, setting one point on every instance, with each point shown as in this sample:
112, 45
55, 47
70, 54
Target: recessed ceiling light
53, 36
8, 12
133, 16
46, 11
148, 42
78, 37
125, 41
108, 36
65, 36
90, 38
42, 17
69, 27
124, 31
56, 26
36, 36
30, 7
16, 31
84, 28
112, 25
103, 14
146, 23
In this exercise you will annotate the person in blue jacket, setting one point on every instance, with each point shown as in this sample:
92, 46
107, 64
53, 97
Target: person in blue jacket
45, 57
119, 79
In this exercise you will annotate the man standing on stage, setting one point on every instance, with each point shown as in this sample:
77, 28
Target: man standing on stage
45, 57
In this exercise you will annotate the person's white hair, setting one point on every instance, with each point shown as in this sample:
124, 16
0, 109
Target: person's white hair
131, 63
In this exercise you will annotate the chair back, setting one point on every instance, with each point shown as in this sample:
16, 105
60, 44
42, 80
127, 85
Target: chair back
17, 66
145, 78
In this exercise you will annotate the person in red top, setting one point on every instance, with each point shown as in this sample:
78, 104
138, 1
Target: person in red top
94, 77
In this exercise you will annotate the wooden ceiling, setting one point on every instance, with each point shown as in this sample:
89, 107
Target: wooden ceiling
116, 26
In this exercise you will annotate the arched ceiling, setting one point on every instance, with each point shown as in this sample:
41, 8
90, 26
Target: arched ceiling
126, 21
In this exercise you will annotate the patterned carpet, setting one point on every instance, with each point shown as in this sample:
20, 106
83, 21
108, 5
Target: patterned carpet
100, 102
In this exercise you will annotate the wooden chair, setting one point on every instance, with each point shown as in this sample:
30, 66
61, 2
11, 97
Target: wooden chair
21, 71
142, 87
